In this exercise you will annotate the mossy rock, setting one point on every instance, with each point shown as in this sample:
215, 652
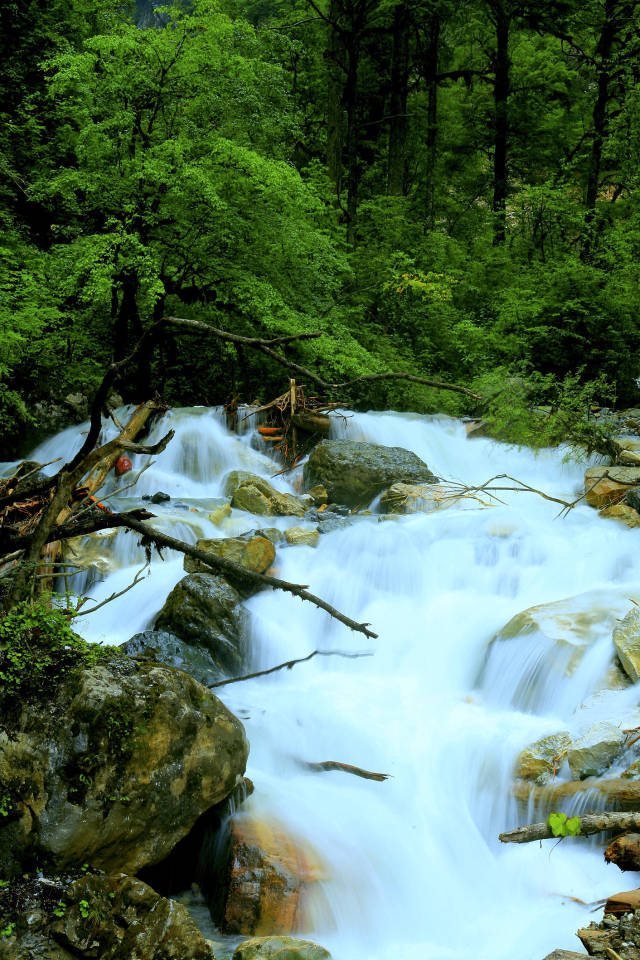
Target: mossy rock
536, 762
255, 495
206, 610
115, 767
280, 948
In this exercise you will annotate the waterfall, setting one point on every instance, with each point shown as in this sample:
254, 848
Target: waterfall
412, 868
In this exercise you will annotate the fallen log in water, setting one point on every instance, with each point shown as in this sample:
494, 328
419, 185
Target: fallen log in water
312, 422
590, 823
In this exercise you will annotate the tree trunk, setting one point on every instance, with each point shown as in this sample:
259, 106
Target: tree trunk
501, 132
432, 120
600, 120
351, 105
397, 155
335, 131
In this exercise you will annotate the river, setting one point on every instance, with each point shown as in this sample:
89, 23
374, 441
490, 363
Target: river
413, 869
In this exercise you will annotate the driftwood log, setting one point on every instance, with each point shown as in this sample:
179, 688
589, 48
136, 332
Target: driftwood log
624, 851
590, 823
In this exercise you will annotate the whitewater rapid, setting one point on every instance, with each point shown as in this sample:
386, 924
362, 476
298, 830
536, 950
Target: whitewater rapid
412, 867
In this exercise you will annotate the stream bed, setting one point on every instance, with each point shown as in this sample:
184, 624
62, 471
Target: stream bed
412, 868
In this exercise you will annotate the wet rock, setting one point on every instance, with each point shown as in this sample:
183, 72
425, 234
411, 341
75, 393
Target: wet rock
623, 513
566, 628
255, 553
109, 918
205, 609
163, 647
329, 523
564, 955
160, 497
298, 536
605, 485
595, 750
280, 948
626, 640
115, 767
416, 498
318, 495
219, 514
632, 772
256, 495
627, 450
353, 473
93, 554
271, 533
632, 498
268, 876
536, 762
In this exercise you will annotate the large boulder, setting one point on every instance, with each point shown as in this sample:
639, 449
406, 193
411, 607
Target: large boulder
254, 553
354, 473
280, 948
627, 450
204, 609
623, 513
163, 647
103, 918
268, 873
256, 495
626, 640
114, 766
540, 760
565, 629
605, 485
592, 753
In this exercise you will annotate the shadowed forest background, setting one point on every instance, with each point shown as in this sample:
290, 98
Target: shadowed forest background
448, 189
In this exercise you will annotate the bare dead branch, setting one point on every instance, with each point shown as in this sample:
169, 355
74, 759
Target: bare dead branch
288, 664
345, 768
114, 596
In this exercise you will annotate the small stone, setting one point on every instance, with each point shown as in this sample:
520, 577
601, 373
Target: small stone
160, 497
280, 948
298, 536
318, 495
535, 762
220, 513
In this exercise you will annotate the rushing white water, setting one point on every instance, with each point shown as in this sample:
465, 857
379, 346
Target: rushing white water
413, 867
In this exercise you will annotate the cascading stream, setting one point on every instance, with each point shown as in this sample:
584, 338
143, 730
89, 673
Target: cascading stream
412, 867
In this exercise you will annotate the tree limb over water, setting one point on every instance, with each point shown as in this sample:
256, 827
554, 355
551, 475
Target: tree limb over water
288, 664
590, 823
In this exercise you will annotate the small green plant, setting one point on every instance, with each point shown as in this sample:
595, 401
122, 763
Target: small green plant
8, 929
83, 906
562, 827
60, 909
38, 649
6, 805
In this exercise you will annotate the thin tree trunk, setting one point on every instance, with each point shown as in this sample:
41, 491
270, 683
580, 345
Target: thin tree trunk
432, 120
335, 131
397, 155
351, 105
501, 133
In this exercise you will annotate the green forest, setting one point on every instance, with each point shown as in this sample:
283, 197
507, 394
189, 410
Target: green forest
446, 189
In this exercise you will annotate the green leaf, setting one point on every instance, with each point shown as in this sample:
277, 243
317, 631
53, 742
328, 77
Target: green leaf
573, 826
557, 823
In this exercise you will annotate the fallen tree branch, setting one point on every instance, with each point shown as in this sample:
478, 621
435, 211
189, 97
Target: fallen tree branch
75, 528
346, 768
288, 664
238, 572
590, 823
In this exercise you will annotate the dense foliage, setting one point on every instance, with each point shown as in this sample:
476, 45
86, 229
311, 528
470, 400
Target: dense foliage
445, 188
